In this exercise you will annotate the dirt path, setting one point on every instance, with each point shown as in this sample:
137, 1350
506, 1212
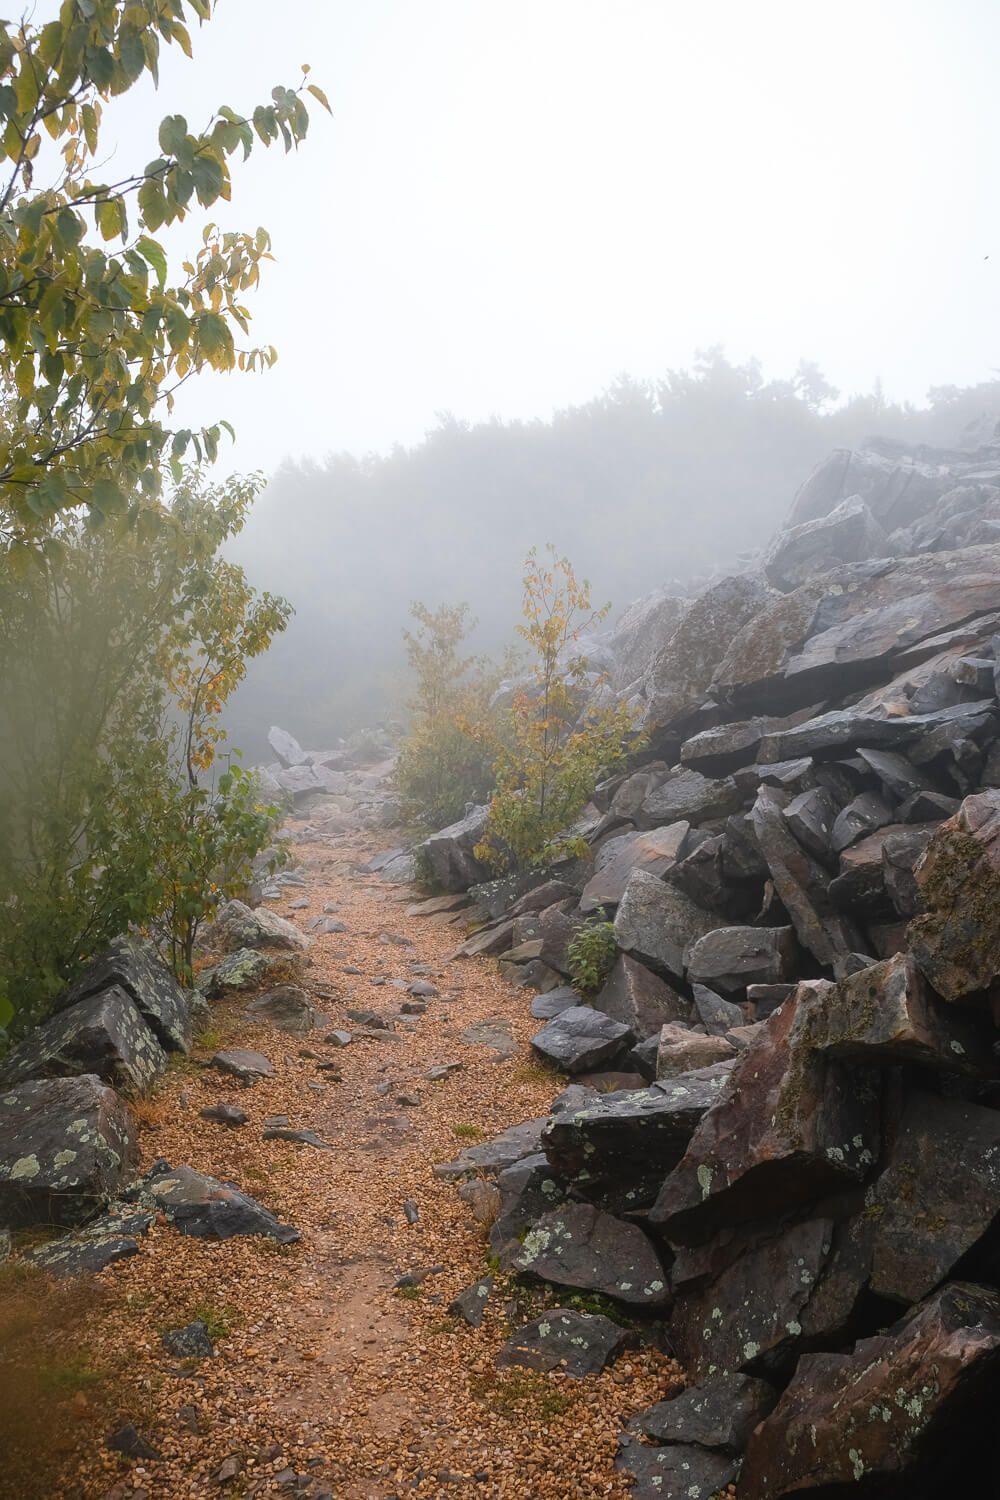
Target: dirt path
328, 1379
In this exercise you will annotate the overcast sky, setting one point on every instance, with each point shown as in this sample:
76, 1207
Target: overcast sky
517, 199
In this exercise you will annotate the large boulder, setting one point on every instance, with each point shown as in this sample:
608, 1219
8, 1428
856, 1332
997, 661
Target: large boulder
655, 852
791, 1125
658, 924
722, 1412
641, 633
676, 682
640, 999
286, 747
447, 856
892, 1408
848, 533
896, 490
680, 1469
239, 926
733, 957
688, 796
104, 1035
618, 1148
579, 1246
956, 941
802, 883
842, 631
66, 1146
938, 1196
137, 969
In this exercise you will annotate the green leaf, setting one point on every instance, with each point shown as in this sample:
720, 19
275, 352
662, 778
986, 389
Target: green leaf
154, 254
173, 134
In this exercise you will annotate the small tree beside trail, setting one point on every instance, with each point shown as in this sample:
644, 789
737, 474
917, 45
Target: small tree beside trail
446, 760
559, 745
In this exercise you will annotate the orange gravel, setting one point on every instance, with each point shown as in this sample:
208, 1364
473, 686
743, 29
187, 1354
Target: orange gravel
325, 1368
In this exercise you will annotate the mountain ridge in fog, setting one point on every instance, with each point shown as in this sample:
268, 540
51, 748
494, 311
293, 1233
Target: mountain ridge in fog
651, 485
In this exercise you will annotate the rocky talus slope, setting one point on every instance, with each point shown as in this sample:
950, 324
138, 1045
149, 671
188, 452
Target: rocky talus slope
799, 1172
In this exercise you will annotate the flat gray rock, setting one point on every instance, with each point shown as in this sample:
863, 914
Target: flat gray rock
242, 1063
581, 1039
575, 1343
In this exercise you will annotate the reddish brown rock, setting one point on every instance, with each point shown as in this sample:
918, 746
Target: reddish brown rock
890, 1408
956, 941
655, 851
937, 1198
791, 1125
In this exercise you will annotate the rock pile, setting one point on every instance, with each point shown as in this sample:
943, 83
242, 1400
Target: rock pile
803, 872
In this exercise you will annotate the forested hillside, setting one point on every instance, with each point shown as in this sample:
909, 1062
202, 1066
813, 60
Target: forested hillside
651, 484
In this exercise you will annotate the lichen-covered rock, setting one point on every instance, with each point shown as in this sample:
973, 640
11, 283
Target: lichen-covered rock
66, 1146
527, 1190
104, 1035
470, 1302
956, 941
140, 972
678, 678
687, 796
242, 970
190, 1342
198, 1205
721, 1412
657, 924
791, 1124
112, 1237
680, 1469
240, 926
618, 1148
581, 1039
938, 1196
890, 1408
579, 1246
574, 1343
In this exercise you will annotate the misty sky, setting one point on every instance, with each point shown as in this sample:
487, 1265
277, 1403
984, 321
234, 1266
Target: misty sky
517, 199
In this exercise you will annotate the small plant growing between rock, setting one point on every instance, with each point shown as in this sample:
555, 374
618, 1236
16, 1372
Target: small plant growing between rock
591, 956
467, 1132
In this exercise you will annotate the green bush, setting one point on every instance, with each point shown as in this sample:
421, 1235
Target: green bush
591, 955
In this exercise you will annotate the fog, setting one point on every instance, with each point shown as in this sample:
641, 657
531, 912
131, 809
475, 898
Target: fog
515, 203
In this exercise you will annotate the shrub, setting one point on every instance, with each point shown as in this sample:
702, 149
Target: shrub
446, 760
558, 747
591, 955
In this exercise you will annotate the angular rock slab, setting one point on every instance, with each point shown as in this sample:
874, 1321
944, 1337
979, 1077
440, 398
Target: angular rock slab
528, 1190
733, 957
492, 1157
640, 999
581, 1039
729, 1323
938, 1196
242, 969
655, 852
579, 1246
104, 1035
689, 796
790, 1126
619, 1148
679, 1470
470, 1303
956, 941
575, 1343
677, 679
114, 1236
66, 1146
243, 1063
657, 924
801, 882
681, 1050
722, 1412
138, 970
198, 1205
888, 1409
887, 1013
